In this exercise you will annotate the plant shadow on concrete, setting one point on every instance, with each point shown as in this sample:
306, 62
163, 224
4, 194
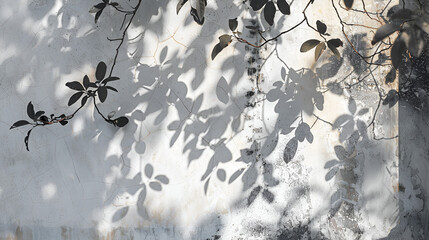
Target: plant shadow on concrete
159, 92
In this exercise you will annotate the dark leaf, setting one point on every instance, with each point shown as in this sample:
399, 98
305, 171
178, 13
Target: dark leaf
269, 12
75, 85
30, 110
86, 82
397, 51
334, 50
253, 194
115, 4
74, 98
268, 196
235, 175
38, 114
308, 45
148, 170
290, 150
112, 88
336, 42
221, 174
63, 122
319, 50
257, 4
97, 15
100, 72
233, 24
348, 3
92, 84
180, 5
109, 79
44, 119
163, 179
321, 27
97, 8
84, 99
19, 124
384, 31
121, 121
194, 14
27, 138
283, 7
216, 50
102, 93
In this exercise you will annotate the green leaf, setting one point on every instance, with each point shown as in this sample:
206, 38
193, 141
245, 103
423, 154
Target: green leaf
321, 27
233, 24
283, 7
319, 50
257, 4
75, 85
102, 93
398, 49
224, 40
121, 121
86, 82
19, 124
269, 12
348, 3
74, 98
30, 110
290, 150
180, 5
100, 72
308, 45
384, 31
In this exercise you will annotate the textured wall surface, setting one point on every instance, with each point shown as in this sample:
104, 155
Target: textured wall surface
261, 143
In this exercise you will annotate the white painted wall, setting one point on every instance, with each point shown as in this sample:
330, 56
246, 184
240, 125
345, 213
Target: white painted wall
189, 124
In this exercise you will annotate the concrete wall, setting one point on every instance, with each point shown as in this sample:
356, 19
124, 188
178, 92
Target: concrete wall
257, 144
